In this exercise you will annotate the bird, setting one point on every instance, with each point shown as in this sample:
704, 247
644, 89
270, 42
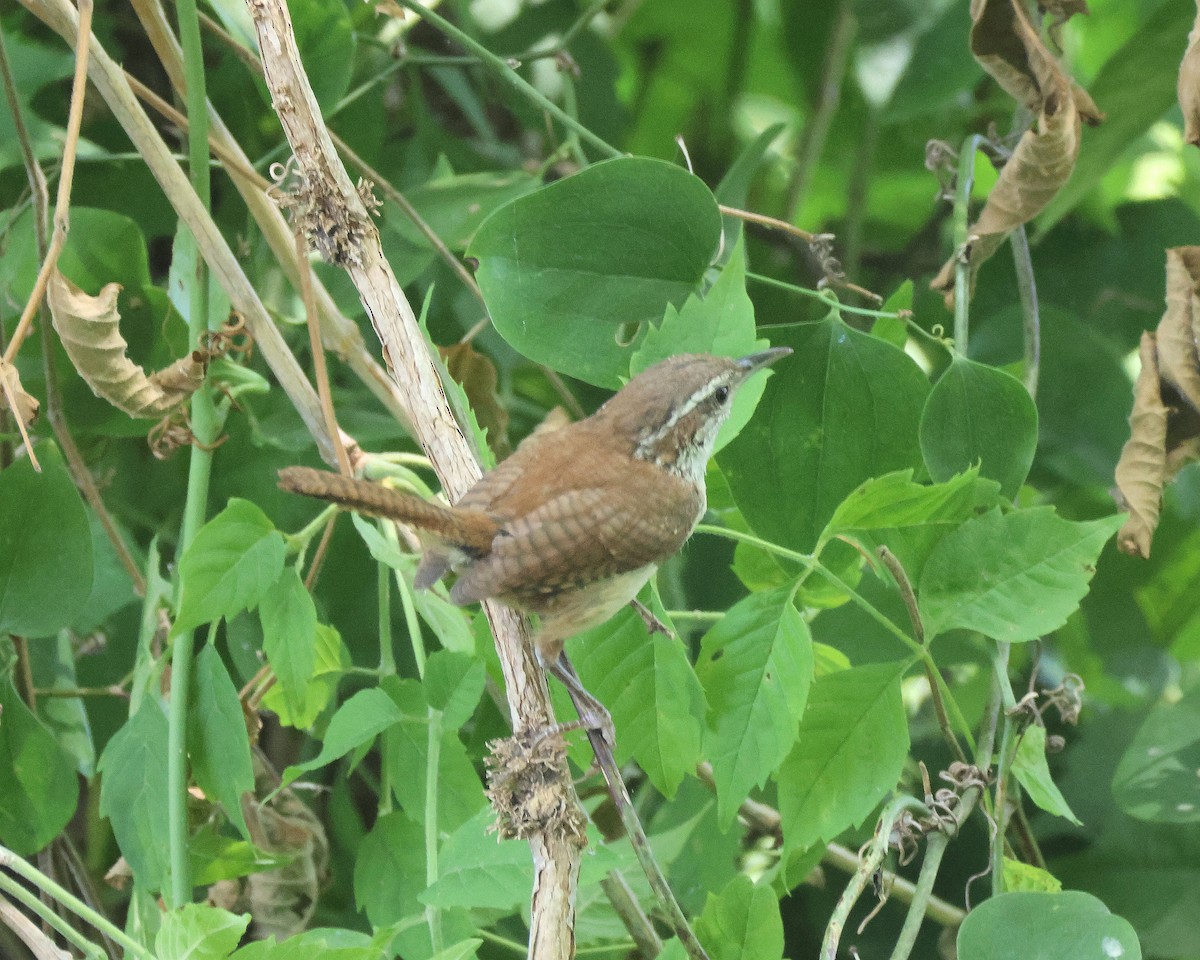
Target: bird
580, 516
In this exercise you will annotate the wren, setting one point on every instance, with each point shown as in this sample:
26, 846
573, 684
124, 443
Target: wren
573, 524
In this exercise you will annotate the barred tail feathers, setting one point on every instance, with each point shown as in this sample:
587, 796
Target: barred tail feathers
472, 530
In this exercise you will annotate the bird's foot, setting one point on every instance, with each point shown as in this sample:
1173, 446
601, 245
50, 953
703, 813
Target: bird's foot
653, 624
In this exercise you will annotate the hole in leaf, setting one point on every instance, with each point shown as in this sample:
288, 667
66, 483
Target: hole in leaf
627, 332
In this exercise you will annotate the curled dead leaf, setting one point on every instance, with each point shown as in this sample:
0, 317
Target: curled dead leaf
1141, 471
1164, 427
14, 397
90, 331
477, 374
1009, 47
1188, 85
23, 404
1178, 363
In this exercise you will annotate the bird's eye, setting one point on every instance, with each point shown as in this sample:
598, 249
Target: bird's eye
721, 394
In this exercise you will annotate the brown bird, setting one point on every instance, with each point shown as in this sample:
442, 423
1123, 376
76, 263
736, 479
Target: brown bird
573, 524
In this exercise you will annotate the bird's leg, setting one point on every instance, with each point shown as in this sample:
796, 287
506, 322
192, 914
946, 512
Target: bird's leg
593, 715
653, 624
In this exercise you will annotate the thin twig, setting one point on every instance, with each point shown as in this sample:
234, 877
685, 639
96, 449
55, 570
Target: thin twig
40, 945
868, 863
896, 568
506, 74
616, 888
62, 203
765, 221
634, 830
1027, 290
320, 370
962, 237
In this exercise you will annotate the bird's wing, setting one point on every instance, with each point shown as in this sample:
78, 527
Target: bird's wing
581, 536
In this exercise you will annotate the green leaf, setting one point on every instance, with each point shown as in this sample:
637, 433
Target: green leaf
331, 661
450, 624
455, 206
1136, 86
850, 752
843, 408
39, 788
575, 273
453, 684
909, 518
133, 793
756, 666
721, 323
1156, 779
325, 37
477, 869
1020, 876
215, 857
742, 922
199, 932
327, 944
1011, 576
1032, 770
45, 547
65, 717
218, 745
977, 414
1053, 926
357, 721
235, 559
460, 794
289, 622
389, 871
650, 689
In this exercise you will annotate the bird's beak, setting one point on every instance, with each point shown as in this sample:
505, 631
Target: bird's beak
756, 361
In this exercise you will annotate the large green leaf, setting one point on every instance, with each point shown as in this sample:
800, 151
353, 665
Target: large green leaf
908, 518
722, 322
357, 721
851, 749
218, 745
843, 408
1052, 926
199, 932
459, 792
331, 661
742, 922
38, 784
453, 684
133, 793
1156, 779
575, 273
978, 415
45, 547
756, 666
650, 688
477, 870
235, 559
289, 622
1013, 576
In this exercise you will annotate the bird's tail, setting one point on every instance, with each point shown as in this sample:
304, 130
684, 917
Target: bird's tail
470, 530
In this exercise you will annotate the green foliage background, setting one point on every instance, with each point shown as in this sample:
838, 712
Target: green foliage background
802, 685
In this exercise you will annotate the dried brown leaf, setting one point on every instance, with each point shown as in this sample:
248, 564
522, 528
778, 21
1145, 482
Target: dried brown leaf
1141, 471
1009, 47
14, 397
477, 374
1188, 85
90, 331
1178, 363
